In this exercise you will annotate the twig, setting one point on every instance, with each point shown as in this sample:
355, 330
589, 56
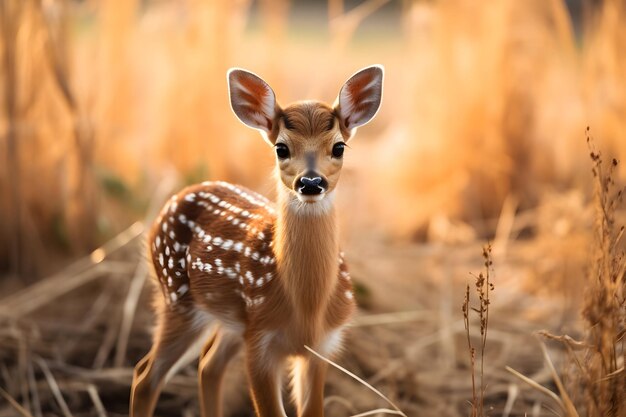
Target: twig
379, 410
54, 387
337, 399
128, 315
32, 382
362, 381
97, 402
512, 394
567, 401
537, 386
77, 274
24, 412
109, 340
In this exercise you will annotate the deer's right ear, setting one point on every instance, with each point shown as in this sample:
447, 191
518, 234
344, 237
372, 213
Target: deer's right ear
252, 100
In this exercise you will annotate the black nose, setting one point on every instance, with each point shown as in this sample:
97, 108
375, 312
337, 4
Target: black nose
311, 184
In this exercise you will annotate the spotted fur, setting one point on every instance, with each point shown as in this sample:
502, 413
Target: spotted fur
267, 278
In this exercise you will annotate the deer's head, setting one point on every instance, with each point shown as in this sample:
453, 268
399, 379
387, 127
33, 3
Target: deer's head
308, 136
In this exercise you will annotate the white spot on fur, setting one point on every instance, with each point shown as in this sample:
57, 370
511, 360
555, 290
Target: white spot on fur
332, 342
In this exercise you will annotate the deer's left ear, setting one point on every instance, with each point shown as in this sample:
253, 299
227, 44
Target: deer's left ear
359, 98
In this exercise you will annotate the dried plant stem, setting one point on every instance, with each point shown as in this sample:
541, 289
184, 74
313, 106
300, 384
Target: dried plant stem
97, 402
361, 380
537, 386
77, 274
483, 287
24, 412
379, 411
54, 387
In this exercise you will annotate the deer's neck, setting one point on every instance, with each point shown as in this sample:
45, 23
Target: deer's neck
306, 245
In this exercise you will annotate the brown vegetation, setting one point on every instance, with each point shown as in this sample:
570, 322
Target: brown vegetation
108, 107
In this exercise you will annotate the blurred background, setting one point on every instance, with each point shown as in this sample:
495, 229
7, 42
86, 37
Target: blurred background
107, 107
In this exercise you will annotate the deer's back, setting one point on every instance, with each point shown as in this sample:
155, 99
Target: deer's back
212, 251
215, 238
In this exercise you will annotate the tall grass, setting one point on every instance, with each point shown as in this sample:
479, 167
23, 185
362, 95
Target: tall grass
602, 373
596, 364
495, 97
47, 145
101, 100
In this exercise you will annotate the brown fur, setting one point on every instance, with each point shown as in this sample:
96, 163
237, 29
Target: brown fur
305, 298
272, 281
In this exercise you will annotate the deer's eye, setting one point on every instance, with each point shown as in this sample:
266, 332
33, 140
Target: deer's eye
338, 149
282, 151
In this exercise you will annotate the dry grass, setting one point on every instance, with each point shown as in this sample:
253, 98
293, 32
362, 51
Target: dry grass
417, 358
603, 375
483, 287
100, 99
597, 376
107, 104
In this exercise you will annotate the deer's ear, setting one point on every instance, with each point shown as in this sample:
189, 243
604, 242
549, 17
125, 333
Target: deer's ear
252, 100
359, 98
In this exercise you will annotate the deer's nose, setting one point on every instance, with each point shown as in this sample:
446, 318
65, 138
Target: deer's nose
311, 184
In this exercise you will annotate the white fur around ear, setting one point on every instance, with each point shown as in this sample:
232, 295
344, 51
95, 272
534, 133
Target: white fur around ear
360, 97
252, 99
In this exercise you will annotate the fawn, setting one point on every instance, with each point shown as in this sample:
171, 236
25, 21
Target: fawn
237, 272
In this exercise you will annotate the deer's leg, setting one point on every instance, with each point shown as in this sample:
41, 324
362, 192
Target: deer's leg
264, 376
309, 375
175, 334
216, 354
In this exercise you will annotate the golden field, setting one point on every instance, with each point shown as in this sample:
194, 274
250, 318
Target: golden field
490, 113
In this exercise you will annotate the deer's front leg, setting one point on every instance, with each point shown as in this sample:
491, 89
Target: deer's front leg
309, 375
264, 375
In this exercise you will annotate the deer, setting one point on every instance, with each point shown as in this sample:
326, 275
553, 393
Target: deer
239, 272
